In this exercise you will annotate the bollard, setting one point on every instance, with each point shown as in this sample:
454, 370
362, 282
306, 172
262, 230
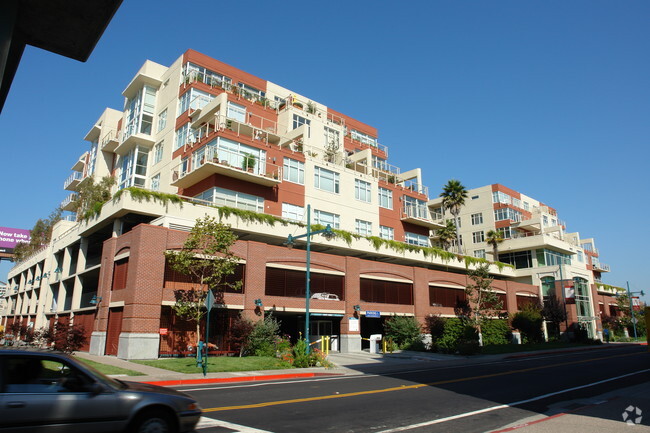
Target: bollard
199, 354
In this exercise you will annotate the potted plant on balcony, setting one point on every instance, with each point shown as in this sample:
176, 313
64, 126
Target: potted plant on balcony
249, 162
311, 107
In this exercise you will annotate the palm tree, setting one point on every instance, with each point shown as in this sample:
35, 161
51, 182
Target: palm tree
494, 238
453, 198
446, 235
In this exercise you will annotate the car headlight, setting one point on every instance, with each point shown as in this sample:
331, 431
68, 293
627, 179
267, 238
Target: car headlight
193, 406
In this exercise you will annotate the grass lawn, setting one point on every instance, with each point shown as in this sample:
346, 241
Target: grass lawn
109, 369
218, 364
513, 348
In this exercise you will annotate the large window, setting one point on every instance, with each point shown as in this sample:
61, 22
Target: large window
416, 239
363, 138
325, 218
362, 190
236, 112
386, 233
363, 228
290, 283
234, 153
194, 99
477, 218
158, 152
192, 72
446, 297
292, 212
326, 180
479, 253
385, 198
298, 121
162, 120
134, 168
139, 112
236, 199
386, 292
507, 213
520, 259
184, 135
294, 171
415, 208
551, 258
501, 197
478, 237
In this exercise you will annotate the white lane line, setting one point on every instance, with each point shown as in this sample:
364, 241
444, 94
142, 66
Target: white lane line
503, 406
205, 422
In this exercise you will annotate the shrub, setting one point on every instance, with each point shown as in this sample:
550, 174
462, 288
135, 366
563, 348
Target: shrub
242, 328
262, 339
66, 338
495, 332
529, 321
315, 358
405, 331
468, 347
454, 331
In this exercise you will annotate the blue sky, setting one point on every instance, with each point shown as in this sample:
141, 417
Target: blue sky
549, 98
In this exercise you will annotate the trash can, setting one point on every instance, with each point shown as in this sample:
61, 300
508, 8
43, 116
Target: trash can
375, 342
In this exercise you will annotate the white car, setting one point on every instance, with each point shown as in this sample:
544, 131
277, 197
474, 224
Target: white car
326, 296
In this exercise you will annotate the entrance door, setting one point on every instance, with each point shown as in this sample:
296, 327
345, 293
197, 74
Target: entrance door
114, 330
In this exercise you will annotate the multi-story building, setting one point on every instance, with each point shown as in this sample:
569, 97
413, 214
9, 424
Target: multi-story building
536, 243
256, 155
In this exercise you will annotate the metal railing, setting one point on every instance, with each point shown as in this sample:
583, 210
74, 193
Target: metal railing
226, 158
76, 175
412, 185
111, 135
421, 212
69, 199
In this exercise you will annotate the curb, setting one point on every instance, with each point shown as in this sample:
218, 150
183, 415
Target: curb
179, 382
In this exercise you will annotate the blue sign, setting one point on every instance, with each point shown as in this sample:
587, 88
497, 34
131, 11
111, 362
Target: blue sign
373, 314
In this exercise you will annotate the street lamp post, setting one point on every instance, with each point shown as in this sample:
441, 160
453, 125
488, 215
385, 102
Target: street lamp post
629, 298
329, 234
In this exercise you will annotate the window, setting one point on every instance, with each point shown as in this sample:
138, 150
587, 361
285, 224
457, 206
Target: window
364, 228
581, 257
184, 135
236, 199
192, 72
416, 239
158, 152
516, 202
155, 182
477, 218
162, 120
292, 212
526, 206
331, 138
40, 375
290, 283
134, 168
507, 213
501, 197
545, 220
194, 99
325, 218
386, 233
236, 112
385, 198
386, 292
478, 237
326, 180
479, 253
552, 258
294, 171
363, 138
298, 121
520, 259
139, 112
362, 190
474, 197
415, 208
446, 296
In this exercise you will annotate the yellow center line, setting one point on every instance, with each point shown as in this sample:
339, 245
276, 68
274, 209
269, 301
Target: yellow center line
407, 387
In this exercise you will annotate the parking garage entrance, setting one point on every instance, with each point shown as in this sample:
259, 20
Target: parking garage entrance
320, 325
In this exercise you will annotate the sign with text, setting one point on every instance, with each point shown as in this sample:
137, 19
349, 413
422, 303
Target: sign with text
376, 314
10, 237
353, 324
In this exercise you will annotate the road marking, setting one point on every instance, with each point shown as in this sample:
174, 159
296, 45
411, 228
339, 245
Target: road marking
408, 387
209, 422
503, 406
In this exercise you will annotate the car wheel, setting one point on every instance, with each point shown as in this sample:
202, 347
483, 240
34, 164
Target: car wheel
154, 422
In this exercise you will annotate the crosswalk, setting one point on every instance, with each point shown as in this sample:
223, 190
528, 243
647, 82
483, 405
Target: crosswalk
209, 425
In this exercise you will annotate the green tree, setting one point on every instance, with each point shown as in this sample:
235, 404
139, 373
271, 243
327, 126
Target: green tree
40, 235
405, 331
554, 312
262, 338
494, 238
447, 234
206, 259
453, 198
483, 301
529, 321
92, 195
623, 304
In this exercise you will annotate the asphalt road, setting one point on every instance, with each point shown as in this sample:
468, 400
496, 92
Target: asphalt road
422, 396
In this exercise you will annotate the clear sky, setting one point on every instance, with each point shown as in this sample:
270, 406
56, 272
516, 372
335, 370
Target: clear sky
550, 98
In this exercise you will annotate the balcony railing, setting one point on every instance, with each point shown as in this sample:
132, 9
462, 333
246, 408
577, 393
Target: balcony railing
412, 185
110, 141
213, 160
68, 202
75, 177
255, 127
376, 145
421, 215
600, 267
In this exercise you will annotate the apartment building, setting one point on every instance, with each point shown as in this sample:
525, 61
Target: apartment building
255, 155
537, 244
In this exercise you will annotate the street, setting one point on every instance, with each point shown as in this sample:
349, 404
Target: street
421, 396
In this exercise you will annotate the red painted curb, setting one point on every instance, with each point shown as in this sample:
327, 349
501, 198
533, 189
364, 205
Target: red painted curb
235, 379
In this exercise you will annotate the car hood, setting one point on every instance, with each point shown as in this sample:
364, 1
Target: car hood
146, 387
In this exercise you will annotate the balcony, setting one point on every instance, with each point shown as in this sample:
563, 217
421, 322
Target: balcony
255, 128
210, 160
422, 216
527, 241
69, 202
110, 141
133, 140
600, 267
81, 162
72, 182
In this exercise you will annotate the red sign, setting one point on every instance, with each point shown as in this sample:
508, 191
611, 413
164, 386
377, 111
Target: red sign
636, 303
163, 331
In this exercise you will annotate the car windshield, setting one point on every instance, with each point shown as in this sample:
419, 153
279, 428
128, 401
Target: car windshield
113, 383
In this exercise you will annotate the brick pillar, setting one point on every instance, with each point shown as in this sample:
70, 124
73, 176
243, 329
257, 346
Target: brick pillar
351, 339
